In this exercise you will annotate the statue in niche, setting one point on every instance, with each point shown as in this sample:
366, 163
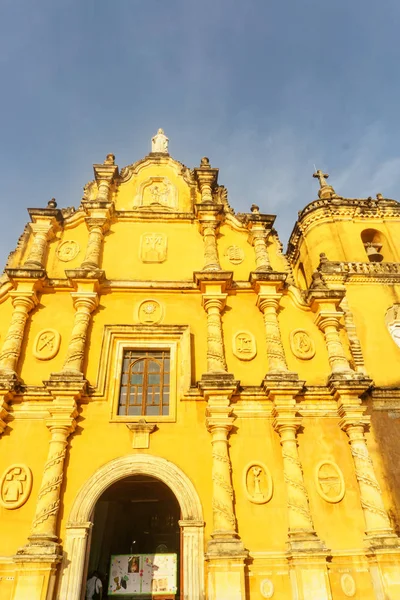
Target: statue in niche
159, 143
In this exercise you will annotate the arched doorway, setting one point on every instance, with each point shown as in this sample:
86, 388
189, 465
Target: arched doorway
82, 516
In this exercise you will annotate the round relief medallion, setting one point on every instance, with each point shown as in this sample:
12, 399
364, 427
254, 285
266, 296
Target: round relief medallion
348, 585
329, 481
258, 483
301, 344
267, 588
47, 344
68, 250
244, 345
150, 312
234, 254
15, 486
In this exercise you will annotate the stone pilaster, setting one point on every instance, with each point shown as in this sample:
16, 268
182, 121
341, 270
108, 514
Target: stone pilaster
324, 303
45, 223
301, 533
23, 301
225, 551
267, 287
379, 532
105, 175
43, 544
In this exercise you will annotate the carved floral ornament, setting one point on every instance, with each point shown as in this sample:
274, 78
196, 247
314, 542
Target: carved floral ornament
15, 486
301, 344
46, 344
258, 484
329, 481
68, 250
244, 345
149, 312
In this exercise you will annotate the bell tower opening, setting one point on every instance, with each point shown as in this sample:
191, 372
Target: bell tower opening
136, 519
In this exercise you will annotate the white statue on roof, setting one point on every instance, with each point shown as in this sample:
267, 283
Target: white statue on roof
159, 143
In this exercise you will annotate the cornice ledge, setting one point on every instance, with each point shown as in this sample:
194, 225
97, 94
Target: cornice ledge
201, 278
26, 273
225, 382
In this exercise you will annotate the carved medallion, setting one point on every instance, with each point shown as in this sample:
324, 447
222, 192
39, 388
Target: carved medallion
68, 250
329, 481
258, 483
235, 255
15, 486
153, 247
392, 319
150, 312
301, 344
244, 345
348, 585
47, 344
267, 588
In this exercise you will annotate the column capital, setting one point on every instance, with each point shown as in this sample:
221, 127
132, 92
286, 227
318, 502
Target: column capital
96, 222
214, 301
105, 172
27, 299
45, 217
89, 300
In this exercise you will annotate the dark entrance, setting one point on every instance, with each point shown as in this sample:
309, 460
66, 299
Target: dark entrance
137, 515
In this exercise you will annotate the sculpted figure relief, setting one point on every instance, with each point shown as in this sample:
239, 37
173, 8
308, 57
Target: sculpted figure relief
258, 483
156, 193
15, 486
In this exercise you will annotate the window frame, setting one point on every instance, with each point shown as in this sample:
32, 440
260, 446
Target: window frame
117, 338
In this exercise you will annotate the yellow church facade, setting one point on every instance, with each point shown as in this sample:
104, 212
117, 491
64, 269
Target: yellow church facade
172, 385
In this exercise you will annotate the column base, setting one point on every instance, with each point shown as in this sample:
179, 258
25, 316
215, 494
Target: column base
226, 544
305, 541
40, 548
382, 541
35, 577
226, 559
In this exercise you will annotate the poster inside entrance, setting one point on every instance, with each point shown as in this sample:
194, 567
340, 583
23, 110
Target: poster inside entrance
138, 574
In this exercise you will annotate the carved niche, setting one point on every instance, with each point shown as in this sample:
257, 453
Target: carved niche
234, 254
68, 250
153, 247
267, 588
301, 344
47, 344
244, 345
329, 481
258, 483
348, 585
15, 486
150, 312
157, 193
392, 320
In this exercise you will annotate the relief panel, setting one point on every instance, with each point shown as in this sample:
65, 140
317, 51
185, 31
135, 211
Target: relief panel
258, 483
329, 481
15, 486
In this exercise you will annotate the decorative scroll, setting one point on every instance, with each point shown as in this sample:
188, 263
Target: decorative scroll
15, 486
47, 344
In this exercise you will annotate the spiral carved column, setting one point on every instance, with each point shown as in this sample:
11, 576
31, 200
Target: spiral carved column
11, 349
213, 305
93, 248
275, 352
43, 232
328, 322
211, 259
84, 305
258, 237
300, 521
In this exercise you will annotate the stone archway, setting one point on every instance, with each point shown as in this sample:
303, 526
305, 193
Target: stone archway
80, 521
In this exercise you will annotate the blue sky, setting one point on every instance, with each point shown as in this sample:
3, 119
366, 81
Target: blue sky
265, 88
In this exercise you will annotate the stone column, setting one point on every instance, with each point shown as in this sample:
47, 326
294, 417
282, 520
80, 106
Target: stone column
260, 249
105, 174
211, 259
329, 323
43, 232
213, 305
23, 303
269, 304
84, 303
93, 248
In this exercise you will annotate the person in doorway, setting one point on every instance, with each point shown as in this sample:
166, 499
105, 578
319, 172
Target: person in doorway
94, 587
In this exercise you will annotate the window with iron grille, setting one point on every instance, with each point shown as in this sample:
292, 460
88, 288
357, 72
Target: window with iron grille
145, 383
